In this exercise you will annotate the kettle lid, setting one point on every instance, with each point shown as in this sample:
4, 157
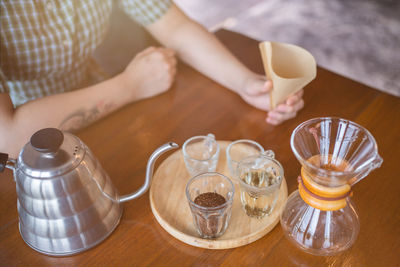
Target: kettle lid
49, 153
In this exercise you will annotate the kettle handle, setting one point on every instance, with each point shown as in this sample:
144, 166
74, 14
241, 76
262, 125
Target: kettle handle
3, 161
149, 171
6, 162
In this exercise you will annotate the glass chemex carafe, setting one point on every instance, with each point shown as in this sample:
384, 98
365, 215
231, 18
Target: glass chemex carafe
334, 153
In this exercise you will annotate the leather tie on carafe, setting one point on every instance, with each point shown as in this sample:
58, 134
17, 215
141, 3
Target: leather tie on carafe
322, 197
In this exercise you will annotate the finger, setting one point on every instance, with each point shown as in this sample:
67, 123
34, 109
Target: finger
258, 86
147, 51
169, 56
292, 100
260, 101
168, 52
295, 97
291, 111
277, 116
173, 61
285, 108
272, 121
172, 71
300, 93
298, 105
267, 86
280, 117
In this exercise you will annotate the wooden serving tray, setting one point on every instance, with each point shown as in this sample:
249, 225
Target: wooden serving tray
171, 209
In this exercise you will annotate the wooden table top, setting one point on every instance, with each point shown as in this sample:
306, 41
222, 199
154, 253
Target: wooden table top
196, 105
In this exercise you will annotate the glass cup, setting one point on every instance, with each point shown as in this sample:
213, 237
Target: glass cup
211, 215
200, 154
260, 178
240, 149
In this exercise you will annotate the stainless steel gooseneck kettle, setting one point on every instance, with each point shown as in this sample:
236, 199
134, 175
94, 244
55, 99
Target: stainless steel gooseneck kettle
66, 201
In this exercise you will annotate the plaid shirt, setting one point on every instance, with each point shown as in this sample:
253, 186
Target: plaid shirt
46, 46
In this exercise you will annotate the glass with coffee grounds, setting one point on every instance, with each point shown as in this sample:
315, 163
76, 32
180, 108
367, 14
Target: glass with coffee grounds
210, 197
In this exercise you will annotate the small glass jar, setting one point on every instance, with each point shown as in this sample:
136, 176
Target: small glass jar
210, 221
201, 154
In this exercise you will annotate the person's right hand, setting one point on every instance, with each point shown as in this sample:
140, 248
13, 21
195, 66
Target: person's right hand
256, 93
150, 73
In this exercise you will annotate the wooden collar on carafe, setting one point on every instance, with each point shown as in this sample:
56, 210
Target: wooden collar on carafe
322, 197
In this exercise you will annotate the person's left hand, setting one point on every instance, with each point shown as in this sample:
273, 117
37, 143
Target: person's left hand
256, 93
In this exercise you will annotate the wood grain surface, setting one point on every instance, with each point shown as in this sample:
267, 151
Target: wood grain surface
169, 205
195, 105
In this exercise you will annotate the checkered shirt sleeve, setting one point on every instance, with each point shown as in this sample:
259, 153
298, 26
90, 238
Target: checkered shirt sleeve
46, 45
3, 83
145, 12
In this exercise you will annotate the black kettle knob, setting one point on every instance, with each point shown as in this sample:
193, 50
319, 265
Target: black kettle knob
47, 140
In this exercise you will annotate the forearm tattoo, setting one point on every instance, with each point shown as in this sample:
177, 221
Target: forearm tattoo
84, 117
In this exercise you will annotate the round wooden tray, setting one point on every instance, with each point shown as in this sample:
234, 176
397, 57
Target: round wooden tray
171, 209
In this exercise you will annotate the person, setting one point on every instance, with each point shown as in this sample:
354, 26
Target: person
46, 48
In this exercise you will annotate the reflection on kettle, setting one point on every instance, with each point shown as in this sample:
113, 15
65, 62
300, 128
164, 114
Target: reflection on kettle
66, 201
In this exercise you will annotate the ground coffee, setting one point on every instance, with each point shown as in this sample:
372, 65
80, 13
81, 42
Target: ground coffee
211, 222
209, 199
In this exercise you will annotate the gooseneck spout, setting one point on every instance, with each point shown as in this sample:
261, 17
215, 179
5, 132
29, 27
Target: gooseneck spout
149, 171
